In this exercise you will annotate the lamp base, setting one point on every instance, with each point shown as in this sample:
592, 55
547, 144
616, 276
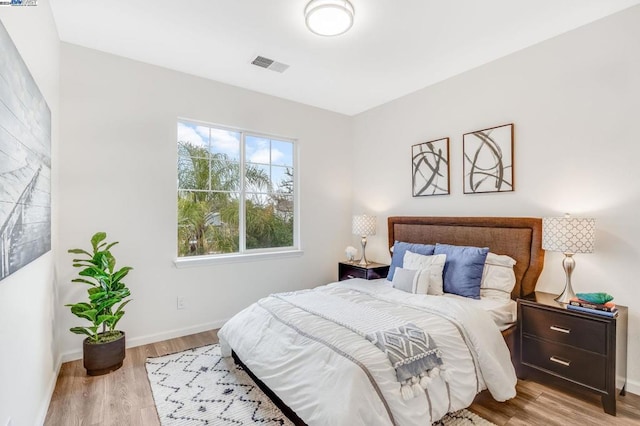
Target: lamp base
363, 260
567, 294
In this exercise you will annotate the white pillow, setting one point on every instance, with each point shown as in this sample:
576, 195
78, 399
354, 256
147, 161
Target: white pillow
429, 276
498, 277
405, 280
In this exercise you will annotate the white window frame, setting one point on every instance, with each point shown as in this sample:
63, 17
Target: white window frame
244, 254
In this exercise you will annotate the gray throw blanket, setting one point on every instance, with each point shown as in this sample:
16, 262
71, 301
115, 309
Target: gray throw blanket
411, 351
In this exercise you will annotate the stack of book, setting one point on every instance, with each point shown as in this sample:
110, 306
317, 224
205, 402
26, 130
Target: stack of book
605, 309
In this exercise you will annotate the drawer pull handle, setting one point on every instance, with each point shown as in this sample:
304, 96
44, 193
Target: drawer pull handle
560, 361
560, 329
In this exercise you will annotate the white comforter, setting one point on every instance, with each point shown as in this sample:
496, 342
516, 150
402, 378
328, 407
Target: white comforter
330, 375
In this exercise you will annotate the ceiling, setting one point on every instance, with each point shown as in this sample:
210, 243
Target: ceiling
395, 47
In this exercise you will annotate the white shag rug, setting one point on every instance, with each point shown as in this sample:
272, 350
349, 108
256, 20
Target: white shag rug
199, 387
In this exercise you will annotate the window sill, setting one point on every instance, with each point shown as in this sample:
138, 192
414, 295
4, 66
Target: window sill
188, 262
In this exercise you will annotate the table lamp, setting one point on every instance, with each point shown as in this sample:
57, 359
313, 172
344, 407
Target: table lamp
364, 225
568, 235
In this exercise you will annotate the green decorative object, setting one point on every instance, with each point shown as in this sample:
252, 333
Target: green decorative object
103, 350
106, 292
599, 298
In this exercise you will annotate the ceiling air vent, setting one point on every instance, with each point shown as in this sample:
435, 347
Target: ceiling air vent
269, 64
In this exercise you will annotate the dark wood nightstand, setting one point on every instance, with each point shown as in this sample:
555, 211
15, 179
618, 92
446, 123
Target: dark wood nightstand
587, 350
347, 270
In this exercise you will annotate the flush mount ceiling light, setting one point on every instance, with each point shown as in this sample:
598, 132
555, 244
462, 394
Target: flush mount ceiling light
329, 17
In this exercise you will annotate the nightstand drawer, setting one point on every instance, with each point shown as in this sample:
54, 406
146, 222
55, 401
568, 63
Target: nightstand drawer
581, 366
571, 330
371, 271
349, 273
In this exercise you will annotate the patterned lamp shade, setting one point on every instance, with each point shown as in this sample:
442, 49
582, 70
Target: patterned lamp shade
364, 225
568, 234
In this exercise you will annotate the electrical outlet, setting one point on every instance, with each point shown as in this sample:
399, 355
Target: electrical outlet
181, 303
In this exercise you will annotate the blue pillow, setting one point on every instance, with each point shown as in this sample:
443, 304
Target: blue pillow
399, 248
463, 269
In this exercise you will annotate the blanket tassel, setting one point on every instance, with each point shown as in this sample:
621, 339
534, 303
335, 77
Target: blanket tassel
446, 375
406, 391
434, 372
412, 387
415, 385
425, 380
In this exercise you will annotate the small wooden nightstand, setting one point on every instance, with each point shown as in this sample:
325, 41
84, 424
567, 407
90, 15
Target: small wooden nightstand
347, 270
585, 349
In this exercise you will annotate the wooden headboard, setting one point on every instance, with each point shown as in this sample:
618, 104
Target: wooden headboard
517, 237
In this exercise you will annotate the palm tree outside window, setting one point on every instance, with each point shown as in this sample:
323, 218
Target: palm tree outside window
236, 191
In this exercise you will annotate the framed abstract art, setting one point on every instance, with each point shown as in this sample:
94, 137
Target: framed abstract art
430, 168
488, 160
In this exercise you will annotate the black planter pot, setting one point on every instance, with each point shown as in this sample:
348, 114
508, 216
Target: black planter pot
103, 358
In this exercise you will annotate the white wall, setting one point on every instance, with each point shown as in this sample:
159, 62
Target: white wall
28, 348
118, 174
575, 102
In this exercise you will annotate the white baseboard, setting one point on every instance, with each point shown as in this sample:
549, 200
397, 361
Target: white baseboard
44, 406
633, 387
153, 338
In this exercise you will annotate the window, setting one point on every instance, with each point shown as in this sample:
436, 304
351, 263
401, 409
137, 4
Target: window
236, 192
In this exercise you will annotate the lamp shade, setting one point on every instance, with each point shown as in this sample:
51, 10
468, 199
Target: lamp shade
364, 225
568, 234
329, 17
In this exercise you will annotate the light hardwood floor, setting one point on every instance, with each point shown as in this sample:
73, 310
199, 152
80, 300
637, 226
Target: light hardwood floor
124, 396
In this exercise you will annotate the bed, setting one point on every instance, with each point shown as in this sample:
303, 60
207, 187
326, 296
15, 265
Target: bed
517, 237
310, 350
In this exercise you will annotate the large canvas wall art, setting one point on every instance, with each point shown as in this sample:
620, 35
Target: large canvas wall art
25, 163
488, 160
430, 168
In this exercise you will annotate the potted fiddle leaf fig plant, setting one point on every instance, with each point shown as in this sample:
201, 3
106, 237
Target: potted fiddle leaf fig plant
104, 347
